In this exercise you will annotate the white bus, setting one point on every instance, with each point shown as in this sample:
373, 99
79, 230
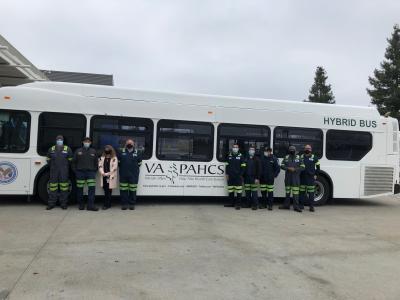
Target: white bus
185, 138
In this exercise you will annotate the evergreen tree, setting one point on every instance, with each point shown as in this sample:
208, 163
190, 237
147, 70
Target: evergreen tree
320, 91
385, 91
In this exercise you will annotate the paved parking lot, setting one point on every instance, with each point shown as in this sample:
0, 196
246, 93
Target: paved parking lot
350, 250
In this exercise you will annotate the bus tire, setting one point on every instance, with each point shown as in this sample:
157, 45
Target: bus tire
42, 187
322, 191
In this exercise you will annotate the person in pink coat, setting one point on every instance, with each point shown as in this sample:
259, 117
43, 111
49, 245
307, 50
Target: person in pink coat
108, 168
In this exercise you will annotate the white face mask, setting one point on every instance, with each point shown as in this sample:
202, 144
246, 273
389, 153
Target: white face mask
266, 153
235, 150
60, 142
252, 152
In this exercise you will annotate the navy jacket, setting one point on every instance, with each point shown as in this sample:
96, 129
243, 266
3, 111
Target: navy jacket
269, 167
235, 165
129, 162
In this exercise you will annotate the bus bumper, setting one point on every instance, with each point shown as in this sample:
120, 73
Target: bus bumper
396, 188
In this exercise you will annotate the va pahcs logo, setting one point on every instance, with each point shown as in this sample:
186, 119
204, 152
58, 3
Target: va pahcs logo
8, 172
174, 170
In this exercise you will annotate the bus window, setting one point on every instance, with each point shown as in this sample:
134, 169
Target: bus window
14, 131
109, 130
185, 140
298, 137
244, 135
347, 145
51, 124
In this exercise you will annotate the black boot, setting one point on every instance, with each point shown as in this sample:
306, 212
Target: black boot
231, 200
49, 207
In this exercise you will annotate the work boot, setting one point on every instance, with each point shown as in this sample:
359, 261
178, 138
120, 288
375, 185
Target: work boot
269, 207
124, 207
105, 207
132, 207
312, 209
228, 205
81, 207
94, 208
297, 209
64, 207
254, 207
284, 207
49, 207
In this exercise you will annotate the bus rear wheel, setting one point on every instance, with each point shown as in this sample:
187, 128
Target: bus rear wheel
322, 191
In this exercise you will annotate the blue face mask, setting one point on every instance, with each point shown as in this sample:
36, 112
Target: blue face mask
60, 142
86, 145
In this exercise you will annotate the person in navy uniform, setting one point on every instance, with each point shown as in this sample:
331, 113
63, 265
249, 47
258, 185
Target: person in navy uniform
251, 178
59, 158
308, 177
85, 164
269, 171
234, 174
130, 160
293, 165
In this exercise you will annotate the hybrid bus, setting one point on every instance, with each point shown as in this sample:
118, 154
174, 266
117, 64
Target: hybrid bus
185, 138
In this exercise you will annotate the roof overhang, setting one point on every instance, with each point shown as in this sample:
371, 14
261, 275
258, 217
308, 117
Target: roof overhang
15, 69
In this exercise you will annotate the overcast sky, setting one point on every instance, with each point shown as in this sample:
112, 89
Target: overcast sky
266, 49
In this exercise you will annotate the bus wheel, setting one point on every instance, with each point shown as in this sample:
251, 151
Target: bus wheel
42, 187
322, 191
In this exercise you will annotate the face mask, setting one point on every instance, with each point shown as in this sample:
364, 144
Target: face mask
267, 153
307, 151
129, 146
251, 152
235, 150
60, 142
86, 145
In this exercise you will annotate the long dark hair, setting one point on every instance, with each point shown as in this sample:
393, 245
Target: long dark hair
113, 153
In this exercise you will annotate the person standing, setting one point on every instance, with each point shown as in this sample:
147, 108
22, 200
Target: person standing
130, 161
234, 174
293, 165
59, 157
308, 177
85, 163
108, 169
269, 171
251, 178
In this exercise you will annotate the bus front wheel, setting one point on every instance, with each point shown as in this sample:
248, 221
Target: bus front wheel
42, 188
322, 191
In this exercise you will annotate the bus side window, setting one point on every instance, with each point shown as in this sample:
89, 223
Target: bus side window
185, 140
14, 131
112, 130
347, 145
244, 135
51, 124
298, 137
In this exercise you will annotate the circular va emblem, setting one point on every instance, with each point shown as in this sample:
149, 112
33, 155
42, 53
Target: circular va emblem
8, 172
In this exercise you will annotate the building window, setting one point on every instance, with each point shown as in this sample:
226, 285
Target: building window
185, 140
244, 135
108, 130
14, 131
347, 145
298, 137
71, 126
